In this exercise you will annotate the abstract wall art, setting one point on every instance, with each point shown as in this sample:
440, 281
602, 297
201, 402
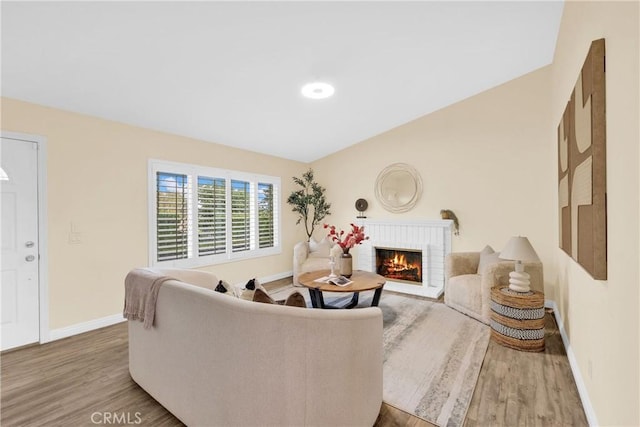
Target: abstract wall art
582, 183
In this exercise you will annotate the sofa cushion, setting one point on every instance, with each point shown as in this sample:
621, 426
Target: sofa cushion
487, 256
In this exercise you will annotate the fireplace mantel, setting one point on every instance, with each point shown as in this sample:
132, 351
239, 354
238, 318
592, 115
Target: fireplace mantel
432, 237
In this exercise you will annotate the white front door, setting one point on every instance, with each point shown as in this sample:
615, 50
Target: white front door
20, 259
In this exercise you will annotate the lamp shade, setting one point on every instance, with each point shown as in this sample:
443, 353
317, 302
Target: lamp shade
518, 248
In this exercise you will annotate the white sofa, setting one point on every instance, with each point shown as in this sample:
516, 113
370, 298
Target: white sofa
312, 256
215, 360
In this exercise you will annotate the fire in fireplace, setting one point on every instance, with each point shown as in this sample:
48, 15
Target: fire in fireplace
400, 264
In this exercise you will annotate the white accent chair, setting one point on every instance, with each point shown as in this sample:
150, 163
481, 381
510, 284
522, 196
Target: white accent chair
469, 280
313, 255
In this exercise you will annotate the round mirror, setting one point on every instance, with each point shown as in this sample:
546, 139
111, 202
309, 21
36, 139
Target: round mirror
398, 187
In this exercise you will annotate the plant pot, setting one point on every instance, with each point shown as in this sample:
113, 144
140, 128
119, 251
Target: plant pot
346, 264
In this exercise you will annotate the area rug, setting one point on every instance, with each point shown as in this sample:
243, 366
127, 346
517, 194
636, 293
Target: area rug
432, 356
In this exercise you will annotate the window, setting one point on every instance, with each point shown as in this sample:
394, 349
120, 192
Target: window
172, 216
200, 216
212, 216
266, 215
241, 216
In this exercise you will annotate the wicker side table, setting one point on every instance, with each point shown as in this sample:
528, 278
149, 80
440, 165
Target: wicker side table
517, 319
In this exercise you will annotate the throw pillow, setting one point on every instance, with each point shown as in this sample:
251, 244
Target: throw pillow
261, 296
225, 288
250, 288
487, 257
294, 300
319, 249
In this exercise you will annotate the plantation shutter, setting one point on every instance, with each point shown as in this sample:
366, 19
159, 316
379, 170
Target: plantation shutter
266, 214
172, 216
241, 220
212, 216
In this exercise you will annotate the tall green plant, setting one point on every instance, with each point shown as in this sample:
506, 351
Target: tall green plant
309, 202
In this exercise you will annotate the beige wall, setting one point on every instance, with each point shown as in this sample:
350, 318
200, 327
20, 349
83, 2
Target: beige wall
97, 183
601, 317
486, 158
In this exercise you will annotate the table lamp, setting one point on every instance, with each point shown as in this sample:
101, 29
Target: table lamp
519, 249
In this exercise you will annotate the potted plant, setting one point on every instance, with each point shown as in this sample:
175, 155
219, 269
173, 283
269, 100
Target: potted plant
309, 202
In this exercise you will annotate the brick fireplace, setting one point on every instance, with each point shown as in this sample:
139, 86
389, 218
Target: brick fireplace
410, 254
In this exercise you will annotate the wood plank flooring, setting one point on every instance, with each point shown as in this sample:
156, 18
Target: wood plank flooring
84, 381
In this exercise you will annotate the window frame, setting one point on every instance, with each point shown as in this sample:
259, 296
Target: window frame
193, 172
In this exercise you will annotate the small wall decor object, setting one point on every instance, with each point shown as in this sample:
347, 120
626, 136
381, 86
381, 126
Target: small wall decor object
361, 206
447, 214
582, 182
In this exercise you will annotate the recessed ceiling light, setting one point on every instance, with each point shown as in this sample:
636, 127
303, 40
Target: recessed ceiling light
317, 90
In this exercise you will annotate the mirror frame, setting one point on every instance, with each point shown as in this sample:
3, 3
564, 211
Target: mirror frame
394, 169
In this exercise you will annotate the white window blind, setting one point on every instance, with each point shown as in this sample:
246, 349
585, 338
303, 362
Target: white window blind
266, 215
172, 216
241, 215
212, 216
205, 216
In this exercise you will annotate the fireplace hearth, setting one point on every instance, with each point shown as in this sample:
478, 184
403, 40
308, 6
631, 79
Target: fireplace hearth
400, 264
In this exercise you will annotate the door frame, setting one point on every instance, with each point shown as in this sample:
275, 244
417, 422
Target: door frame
43, 259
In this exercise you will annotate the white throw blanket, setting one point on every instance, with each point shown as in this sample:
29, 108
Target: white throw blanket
141, 287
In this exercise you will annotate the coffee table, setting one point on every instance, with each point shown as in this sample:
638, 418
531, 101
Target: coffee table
361, 281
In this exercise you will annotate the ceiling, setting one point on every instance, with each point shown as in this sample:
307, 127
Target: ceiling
231, 72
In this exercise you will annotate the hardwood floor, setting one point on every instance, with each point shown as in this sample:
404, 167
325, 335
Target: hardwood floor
84, 381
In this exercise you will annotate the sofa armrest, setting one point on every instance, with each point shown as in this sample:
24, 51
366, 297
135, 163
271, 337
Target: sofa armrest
497, 274
300, 255
300, 252
459, 263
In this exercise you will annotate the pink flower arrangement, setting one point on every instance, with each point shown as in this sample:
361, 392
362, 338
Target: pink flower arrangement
346, 242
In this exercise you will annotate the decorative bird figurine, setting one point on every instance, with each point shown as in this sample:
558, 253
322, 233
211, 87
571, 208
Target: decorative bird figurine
447, 214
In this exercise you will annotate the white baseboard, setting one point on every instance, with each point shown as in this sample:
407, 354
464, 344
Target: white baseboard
577, 376
79, 328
